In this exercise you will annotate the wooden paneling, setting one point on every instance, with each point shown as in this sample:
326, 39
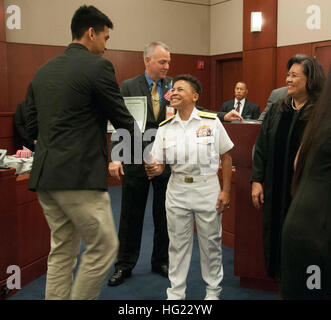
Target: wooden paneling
228, 217
248, 251
23, 62
283, 56
249, 246
2, 22
228, 73
243, 137
184, 63
8, 140
8, 222
231, 74
24, 233
3, 77
3, 60
25, 59
322, 52
226, 69
24, 196
268, 36
34, 235
7, 124
259, 73
127, 64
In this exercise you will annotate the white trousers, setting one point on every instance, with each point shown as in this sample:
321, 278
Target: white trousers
72, 216
184, 202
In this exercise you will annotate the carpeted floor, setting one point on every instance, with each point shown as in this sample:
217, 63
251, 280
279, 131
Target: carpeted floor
145, 285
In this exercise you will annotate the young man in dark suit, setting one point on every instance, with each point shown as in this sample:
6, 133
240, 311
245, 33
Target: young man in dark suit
135, 183
247, 109
73, 96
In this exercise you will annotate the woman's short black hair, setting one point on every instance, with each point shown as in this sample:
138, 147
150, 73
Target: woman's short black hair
194, 82
86, 17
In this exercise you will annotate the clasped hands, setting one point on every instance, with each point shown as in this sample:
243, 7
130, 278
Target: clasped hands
153, 168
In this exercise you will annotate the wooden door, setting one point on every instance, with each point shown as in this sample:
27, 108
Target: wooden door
228, 73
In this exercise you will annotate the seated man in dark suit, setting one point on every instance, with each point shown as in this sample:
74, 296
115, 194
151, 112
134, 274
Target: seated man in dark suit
247, 109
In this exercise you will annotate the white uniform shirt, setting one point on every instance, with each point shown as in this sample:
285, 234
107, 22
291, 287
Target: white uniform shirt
191, 147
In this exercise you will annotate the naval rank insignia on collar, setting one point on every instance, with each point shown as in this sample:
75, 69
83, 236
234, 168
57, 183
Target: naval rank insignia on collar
208, 115
166, 121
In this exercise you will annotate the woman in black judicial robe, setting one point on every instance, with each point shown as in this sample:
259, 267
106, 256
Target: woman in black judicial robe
275, 150
306, 237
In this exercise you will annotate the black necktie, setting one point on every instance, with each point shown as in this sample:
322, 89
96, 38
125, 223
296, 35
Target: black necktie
238, 107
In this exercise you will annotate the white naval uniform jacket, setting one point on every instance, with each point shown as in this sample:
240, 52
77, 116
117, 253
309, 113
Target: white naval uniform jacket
192, 150
192, 147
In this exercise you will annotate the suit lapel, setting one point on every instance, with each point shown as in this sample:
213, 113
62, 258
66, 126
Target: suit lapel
232, 106
163, 102
246, 108
145, 92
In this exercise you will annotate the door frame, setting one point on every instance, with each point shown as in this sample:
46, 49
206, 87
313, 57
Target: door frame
214, 75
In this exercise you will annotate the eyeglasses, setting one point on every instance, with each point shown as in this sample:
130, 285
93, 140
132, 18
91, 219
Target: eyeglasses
294, 75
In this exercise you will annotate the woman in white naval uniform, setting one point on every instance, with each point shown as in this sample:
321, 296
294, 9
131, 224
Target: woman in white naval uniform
193, 142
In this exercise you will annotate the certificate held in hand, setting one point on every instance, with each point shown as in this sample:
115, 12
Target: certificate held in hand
137, 106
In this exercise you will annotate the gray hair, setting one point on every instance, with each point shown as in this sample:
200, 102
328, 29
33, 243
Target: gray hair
150, 47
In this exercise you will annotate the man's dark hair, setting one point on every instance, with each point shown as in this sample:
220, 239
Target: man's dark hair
243, 82
194, 82
86, 17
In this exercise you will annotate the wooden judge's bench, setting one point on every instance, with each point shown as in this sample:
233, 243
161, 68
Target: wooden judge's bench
24, 233
25, 236
248, 246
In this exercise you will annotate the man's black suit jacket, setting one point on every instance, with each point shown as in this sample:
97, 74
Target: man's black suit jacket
74, 95
250, 111
137, 87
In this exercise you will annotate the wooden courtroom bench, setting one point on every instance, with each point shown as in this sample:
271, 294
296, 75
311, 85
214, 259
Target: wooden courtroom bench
24, 233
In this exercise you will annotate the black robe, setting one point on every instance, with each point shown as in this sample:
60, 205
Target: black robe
275, 149
306, 237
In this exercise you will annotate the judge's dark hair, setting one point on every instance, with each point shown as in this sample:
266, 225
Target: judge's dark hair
317, 127
86, 17
194, 82
314, 73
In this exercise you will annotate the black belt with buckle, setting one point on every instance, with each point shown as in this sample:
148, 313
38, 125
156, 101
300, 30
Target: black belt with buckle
188, 179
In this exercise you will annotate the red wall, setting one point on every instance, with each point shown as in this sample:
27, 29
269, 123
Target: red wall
23, 60
263, 64
259, 51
